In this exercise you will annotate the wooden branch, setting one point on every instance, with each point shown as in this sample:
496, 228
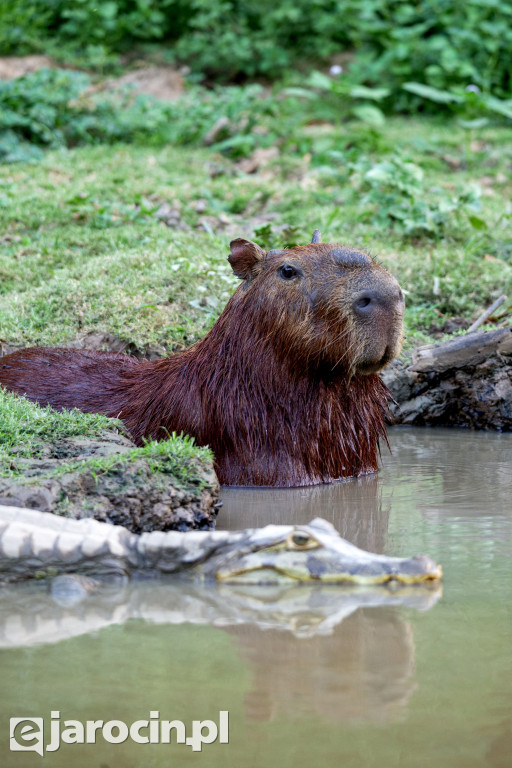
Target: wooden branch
485, 315
468, 350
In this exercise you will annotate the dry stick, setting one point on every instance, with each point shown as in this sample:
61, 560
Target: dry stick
488, 312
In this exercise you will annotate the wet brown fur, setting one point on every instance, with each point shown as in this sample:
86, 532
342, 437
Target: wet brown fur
283, 388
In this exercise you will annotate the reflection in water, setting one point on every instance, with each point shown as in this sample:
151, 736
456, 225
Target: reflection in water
354, 507
345, 654
362, 672
442, 472
499, 752
462, 472
32, 615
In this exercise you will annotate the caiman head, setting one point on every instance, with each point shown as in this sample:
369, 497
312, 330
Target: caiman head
309, 553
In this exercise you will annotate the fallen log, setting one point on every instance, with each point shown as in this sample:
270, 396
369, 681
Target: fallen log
464, 382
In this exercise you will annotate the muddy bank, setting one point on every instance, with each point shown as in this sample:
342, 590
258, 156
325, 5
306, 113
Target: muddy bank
462, 382
142, 494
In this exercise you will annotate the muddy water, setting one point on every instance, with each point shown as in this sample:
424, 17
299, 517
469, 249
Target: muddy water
309, 676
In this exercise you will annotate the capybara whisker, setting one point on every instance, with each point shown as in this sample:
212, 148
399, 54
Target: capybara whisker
284, 387
345, 355
343, 335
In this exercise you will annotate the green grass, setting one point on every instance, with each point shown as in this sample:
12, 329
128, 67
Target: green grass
26, 427
176, 456
83, 251
26, 430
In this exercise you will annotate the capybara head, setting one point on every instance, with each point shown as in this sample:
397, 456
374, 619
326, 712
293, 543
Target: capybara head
324, 306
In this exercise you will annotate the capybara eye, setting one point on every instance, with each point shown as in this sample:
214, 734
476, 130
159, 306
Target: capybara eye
287, 271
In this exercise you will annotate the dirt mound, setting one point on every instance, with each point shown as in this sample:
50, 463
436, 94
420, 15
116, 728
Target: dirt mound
137, 494
163, 83
17, 66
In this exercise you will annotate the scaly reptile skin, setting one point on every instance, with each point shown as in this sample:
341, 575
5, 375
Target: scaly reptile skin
38, 544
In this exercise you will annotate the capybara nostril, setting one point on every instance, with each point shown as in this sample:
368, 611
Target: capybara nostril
368, 301
365, 303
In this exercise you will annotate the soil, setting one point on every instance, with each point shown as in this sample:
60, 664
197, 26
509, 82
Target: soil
162, 82
131, 495
17, 66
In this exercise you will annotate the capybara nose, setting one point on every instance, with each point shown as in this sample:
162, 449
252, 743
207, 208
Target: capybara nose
368, 301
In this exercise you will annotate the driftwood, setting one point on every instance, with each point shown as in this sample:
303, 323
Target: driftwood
465, 382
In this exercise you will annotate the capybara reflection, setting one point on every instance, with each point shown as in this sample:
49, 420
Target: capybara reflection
284, 388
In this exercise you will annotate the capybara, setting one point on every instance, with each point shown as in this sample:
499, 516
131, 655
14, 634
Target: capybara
283, 388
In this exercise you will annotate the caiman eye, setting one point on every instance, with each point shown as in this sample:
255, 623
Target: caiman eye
286, 271
301, 540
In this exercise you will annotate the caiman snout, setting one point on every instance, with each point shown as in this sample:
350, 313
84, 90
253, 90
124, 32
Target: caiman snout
316, 552
419, 567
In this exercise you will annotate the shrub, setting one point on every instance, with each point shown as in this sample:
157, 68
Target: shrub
439, 43
54, 108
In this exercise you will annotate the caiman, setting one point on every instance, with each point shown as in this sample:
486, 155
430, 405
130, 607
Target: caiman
37, 544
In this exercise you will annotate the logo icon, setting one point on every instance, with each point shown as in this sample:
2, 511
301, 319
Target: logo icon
26, 734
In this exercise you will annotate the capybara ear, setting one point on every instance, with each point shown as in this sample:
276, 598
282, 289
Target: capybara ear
245, 257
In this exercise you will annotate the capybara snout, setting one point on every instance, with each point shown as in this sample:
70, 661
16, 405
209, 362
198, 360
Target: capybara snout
378, 311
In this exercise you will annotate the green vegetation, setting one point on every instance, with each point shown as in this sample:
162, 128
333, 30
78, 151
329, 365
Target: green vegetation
436, 42
176, 457
25, 428
85, 249
56, 108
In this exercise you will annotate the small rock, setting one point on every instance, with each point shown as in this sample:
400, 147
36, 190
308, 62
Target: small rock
503, 388
170, 215
216, 169
454, 163
199, 206
43, 498
208, 224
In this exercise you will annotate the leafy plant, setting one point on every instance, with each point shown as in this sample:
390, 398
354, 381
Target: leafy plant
436, 43
347, 98
470, 104
55, 108
397, 196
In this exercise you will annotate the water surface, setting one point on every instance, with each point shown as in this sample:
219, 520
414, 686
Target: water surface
310, 676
